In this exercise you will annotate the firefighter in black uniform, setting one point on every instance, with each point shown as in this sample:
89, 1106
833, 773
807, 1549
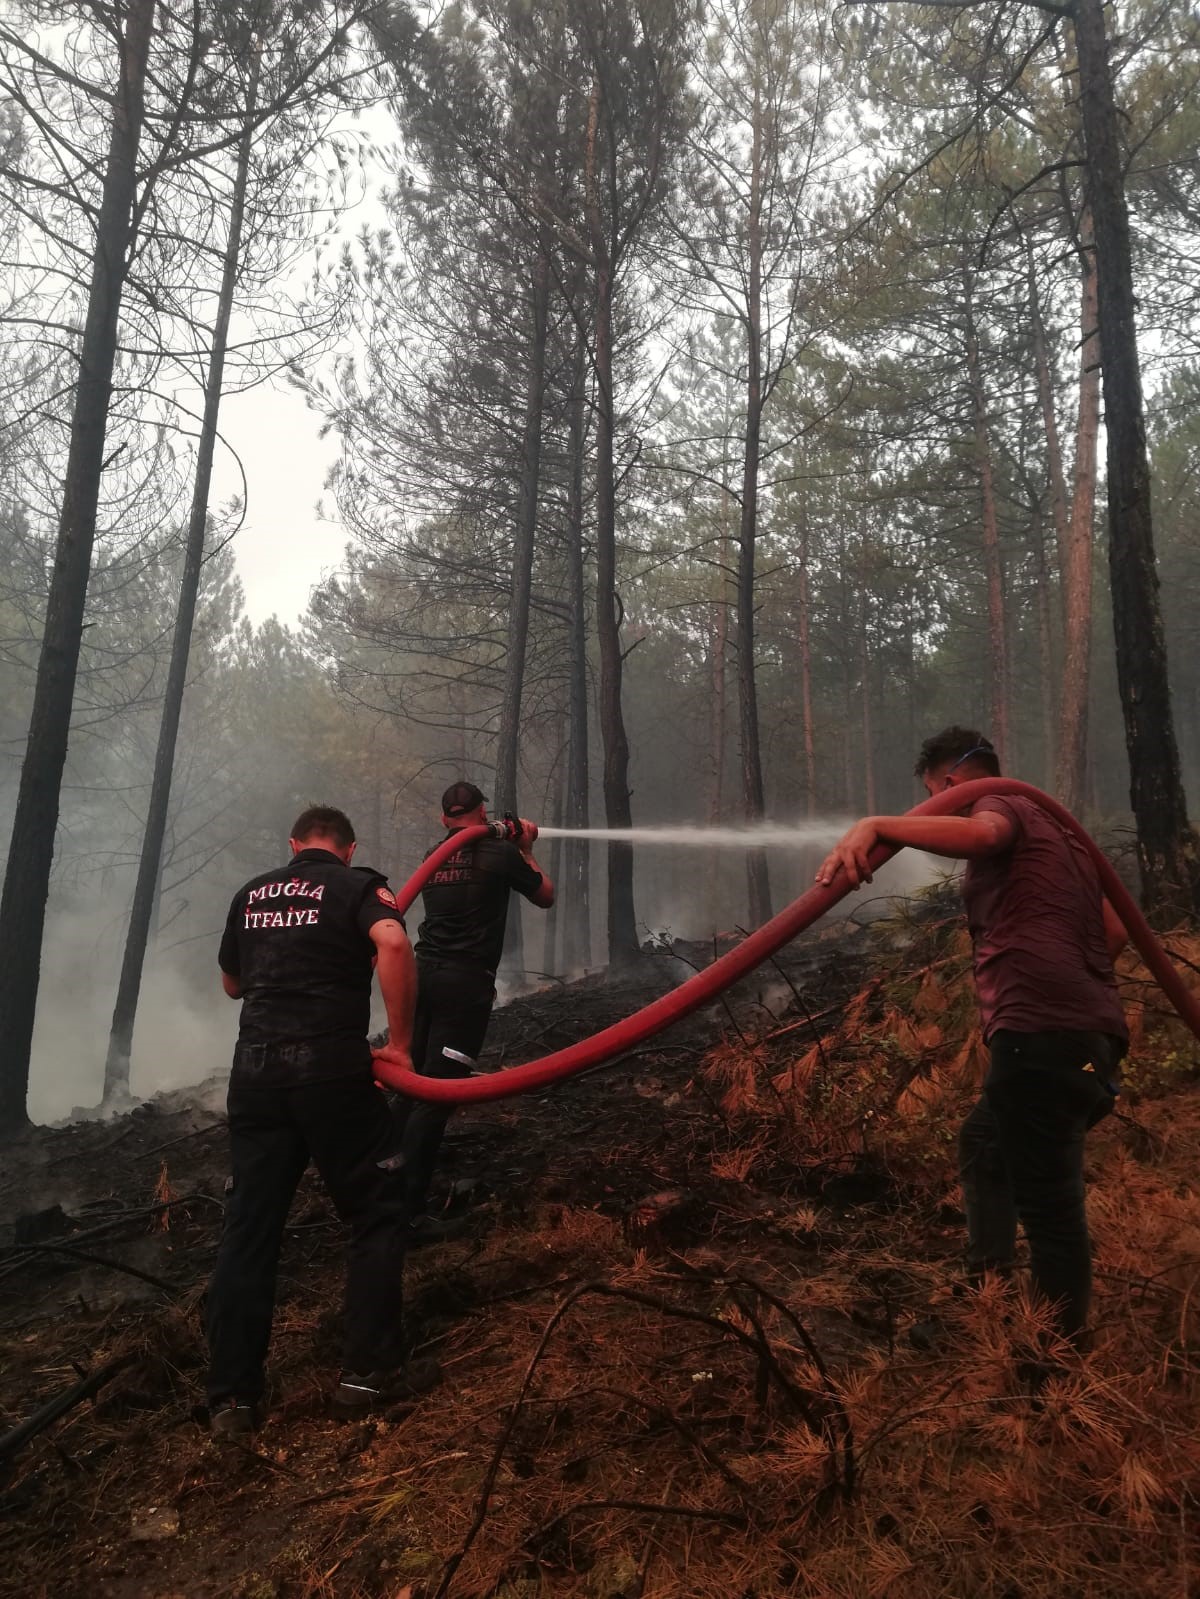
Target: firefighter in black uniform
459, 945
298, 951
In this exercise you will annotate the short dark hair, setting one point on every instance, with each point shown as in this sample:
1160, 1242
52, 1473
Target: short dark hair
323, 821
955, 744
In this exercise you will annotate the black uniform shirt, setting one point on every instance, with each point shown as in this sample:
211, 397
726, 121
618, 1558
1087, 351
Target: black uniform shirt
466, 902
298, 941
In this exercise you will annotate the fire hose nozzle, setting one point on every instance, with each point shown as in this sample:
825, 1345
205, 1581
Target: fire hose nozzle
513, 828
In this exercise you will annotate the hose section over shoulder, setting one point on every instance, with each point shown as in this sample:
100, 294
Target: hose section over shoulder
755, 949
450, 845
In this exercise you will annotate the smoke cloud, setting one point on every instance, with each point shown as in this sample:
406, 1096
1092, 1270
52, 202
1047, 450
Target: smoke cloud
185, 1027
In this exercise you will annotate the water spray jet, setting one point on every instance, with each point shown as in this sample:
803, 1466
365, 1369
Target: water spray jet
608, 1045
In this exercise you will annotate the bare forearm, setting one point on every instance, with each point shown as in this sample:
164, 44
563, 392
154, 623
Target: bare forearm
397, 973
960, 837
545, 894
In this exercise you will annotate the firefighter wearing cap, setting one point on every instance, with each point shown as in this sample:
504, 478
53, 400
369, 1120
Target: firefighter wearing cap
298, 950
459, 945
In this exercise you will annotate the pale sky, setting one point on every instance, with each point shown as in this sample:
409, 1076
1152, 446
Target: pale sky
284, 547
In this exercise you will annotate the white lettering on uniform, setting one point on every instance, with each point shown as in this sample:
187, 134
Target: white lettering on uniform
291, 918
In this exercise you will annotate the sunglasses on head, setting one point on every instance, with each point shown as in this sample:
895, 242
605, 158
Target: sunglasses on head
980, 749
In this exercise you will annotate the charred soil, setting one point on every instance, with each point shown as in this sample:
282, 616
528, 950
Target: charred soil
704, 1334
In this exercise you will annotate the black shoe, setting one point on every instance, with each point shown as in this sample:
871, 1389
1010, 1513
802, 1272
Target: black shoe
424, 1230
232, 1422
358, 1394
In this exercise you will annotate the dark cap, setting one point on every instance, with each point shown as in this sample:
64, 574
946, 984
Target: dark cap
460, 798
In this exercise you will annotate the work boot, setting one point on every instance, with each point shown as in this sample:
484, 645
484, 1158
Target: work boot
232, 1422
424, 1230
359, 1394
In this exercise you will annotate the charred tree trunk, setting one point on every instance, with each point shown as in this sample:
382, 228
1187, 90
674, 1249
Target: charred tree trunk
622, 926
997, 633
1071, 771
145, 893
31, 850
577, 924
753, 797
1168, 852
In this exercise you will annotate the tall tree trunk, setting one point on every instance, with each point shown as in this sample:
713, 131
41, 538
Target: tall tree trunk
868, 736
845, 626
1071, 772
1168, 852
521, 577
806, 679
1060, 516
622, 926
577, 925
1045, 385
718, 702
1045, 632
753, 798
554, 914
145, 895
718, 674
997, 641
508, 741
31, 850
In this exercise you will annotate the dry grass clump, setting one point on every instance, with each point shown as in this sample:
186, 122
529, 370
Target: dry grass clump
670, 1430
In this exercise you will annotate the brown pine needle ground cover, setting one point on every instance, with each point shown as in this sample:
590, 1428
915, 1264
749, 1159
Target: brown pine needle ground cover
705, 1337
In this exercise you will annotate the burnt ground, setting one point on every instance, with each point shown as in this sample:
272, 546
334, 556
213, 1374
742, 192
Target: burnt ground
702, 1335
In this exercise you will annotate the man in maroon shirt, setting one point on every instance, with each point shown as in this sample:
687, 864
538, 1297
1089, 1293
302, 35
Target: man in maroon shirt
1044, 941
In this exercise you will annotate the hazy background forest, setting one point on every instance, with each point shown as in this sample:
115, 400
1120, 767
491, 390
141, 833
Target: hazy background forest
714, 381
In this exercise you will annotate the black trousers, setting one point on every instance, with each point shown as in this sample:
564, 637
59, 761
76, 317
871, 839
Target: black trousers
345, 1128
454, 1006
1021, 1159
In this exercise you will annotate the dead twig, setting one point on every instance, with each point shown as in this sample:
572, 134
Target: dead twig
55, 1408
103, 1260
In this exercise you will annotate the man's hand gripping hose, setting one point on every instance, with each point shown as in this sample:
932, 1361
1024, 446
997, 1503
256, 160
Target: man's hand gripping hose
759, 946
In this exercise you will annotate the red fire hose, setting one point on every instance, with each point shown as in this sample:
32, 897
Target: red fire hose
780, 930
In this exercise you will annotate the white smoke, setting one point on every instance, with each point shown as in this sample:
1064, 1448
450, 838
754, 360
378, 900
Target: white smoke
185, 1027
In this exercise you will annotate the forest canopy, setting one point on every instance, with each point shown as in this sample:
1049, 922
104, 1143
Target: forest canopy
720, 392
